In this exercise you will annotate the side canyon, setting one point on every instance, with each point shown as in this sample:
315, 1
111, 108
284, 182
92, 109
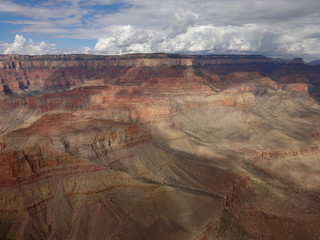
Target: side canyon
159, 146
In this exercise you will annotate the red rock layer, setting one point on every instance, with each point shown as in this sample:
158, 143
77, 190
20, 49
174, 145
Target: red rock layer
56, 144
34, 74
144, 146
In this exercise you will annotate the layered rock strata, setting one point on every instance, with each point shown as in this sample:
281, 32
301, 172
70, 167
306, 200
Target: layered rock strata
158, 146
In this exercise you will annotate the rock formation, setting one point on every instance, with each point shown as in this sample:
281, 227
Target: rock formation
158, 146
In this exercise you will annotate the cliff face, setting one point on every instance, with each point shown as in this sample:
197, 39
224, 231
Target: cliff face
40, 73
33, 74
149, 146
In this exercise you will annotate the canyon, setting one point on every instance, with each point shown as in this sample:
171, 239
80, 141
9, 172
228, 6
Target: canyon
159, 146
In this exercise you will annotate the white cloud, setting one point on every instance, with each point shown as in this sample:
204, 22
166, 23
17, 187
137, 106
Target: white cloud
249, 38
21, 46
215, 39
50, 10
274, 27
124, 39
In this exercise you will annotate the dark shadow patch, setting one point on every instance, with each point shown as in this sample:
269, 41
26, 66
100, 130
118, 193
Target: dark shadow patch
7, 90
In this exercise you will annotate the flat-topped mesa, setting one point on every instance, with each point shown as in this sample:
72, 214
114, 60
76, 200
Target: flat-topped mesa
97, 61
24, 74
15, 62
231, 59
21, 74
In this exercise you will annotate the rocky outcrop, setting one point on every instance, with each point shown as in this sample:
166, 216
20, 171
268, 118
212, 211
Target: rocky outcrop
25, 75
61, 144
298, 87
164, 146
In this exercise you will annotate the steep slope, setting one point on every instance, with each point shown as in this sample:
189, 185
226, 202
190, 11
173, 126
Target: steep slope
156, 147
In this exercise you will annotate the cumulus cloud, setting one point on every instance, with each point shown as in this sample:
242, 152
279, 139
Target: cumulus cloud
279, 28
211, 39
274, 28
125, 39
22, 46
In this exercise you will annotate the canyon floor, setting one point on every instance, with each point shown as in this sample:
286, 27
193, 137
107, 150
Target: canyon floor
159, 146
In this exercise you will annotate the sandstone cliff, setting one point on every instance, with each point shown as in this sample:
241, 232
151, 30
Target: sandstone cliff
158, 146
25, 75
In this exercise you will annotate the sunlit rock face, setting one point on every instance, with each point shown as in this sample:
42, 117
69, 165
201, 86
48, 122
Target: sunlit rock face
158, 146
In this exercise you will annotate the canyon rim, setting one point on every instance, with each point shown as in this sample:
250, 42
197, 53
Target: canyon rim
159, 146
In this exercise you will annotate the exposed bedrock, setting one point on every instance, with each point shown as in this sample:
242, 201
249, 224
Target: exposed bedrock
158, 146
25, 75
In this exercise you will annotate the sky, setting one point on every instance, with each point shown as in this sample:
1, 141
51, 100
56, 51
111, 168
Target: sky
275, 28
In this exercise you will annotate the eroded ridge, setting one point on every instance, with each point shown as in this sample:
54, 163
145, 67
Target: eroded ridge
158, 146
